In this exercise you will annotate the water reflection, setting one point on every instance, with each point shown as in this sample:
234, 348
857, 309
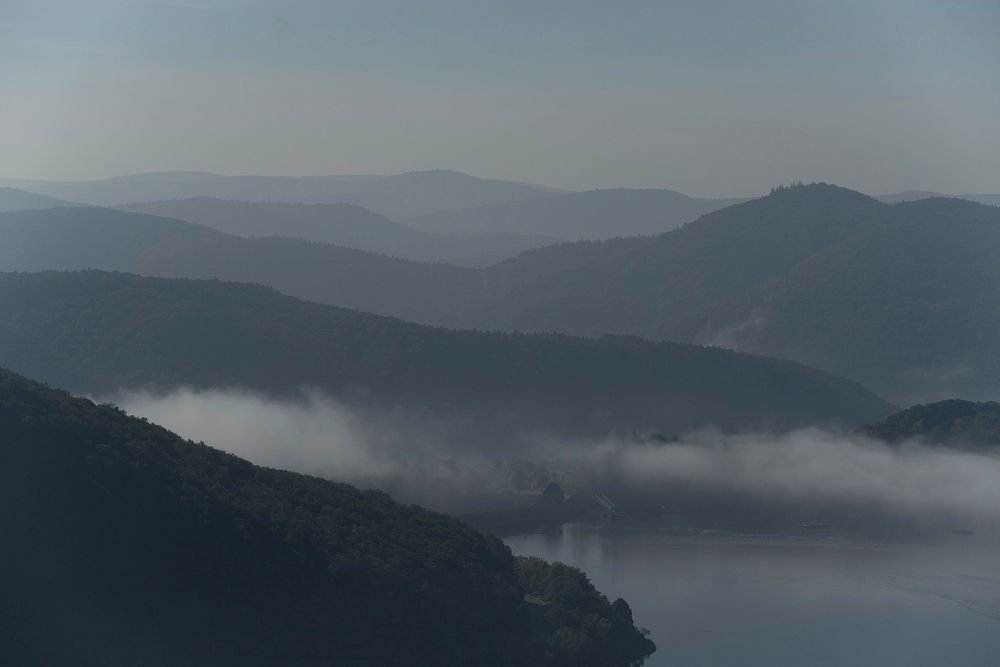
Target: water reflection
728, 601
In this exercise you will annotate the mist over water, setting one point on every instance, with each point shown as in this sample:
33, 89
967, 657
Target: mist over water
554, 333
415, 459
824, 466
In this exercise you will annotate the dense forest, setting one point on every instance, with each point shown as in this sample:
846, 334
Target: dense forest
953, 422
124, 544
98, 332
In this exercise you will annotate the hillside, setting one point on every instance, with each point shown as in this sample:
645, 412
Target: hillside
97, 332
897, 297
675, 284
107, 239
396, 197
12, 199
341, 224
124, 544
908, 307
900, 298
953, 422
594, 214
534, 266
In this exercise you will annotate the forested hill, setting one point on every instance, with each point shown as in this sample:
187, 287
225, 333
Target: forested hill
952, 422
99, 238
692, 281
126, 545
900, 297
97, 332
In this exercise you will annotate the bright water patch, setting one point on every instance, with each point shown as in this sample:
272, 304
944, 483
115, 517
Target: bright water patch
720, 601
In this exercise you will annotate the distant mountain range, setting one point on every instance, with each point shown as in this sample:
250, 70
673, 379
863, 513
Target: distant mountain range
82, 238
12, 199
917, 195
899, 297
126, 545
595, 214
396, 197
437, 202
99, 332
345, 225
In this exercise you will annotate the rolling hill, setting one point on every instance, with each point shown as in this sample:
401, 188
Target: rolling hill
12, 199
955, 423
901, 298
344, 225
593, 215
107, 239
898, 297
98, 332
399, 196
126, 545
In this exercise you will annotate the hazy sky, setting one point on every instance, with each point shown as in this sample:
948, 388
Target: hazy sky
725, 97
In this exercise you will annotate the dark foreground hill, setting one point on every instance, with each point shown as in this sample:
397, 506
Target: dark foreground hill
98, 332
344, 225
126, 545
956, 423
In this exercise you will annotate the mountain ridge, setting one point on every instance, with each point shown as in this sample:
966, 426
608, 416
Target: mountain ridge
97, 332
345, 225
395, 196
896, 297
14, 199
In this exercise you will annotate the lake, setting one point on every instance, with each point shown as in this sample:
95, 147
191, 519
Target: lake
726, 600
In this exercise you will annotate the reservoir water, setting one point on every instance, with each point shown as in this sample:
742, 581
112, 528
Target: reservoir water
727, 600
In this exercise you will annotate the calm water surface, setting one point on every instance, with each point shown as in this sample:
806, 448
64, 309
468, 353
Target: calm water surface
754, 602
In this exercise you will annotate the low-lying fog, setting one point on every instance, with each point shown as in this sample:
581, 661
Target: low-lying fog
414, 459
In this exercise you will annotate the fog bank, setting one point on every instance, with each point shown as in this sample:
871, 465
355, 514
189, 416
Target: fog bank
821, 466
415, 459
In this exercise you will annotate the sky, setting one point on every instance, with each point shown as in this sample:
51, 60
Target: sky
709, 97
